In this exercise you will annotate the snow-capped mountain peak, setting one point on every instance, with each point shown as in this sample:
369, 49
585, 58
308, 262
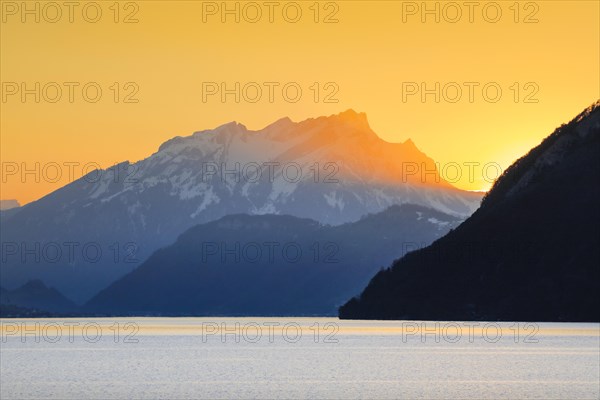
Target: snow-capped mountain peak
331, 169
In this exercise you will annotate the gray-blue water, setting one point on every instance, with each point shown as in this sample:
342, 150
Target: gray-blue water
172, 358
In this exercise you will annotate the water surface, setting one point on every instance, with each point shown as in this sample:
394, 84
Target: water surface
142, 358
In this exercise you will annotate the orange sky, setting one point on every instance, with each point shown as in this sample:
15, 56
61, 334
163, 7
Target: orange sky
368, 56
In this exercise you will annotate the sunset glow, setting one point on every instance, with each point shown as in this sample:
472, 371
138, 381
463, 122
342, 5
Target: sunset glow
369, 60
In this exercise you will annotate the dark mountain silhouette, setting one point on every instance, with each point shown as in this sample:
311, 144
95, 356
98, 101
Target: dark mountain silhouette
35, 295
269, 264
531, 252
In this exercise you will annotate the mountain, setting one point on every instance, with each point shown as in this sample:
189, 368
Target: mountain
530, 253
35, 295
334, 170
269, 264
8, 204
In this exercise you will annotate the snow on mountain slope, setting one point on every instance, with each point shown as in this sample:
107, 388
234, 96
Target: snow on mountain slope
338, 158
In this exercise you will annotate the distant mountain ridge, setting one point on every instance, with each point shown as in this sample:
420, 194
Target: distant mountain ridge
330, 169
531, 252
35, 295
269, 265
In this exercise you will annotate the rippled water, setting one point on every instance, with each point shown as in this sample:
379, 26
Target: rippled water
296, 358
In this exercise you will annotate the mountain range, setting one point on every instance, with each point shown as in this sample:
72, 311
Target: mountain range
269, 265
333, 170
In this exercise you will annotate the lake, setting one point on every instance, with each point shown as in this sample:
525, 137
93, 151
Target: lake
172, 358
